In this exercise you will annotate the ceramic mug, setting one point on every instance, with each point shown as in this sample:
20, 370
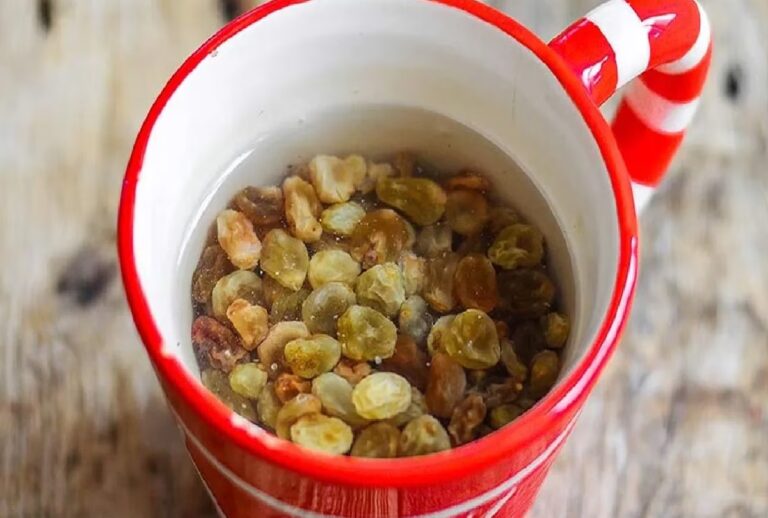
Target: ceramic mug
462, 85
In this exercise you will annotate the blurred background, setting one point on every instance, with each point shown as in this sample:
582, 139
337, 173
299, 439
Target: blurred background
678, 426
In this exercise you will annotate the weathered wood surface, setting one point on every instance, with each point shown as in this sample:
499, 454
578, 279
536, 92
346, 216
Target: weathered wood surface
677, 427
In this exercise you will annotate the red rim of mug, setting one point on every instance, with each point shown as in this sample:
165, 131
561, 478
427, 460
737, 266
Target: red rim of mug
413, 471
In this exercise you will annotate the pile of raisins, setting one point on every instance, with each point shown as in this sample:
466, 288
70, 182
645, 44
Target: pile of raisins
366, 308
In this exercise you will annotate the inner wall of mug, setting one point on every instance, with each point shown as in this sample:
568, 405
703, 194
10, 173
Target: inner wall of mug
375, 77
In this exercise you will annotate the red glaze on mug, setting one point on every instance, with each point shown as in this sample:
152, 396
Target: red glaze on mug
276, 69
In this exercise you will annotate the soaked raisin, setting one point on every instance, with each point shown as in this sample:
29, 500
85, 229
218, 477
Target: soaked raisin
352, 371
366, 334
501, 218
421, 199
241, 284
248, 379
381, 395
293, 410
472, 341
322, 309
438, 334
414, 268
466, 212
527, 341
342, 218
507, 391
332, 266
417, 408
381, 288
408, 361
335, 393
302, 208
213, 265
439, 282
288, 307
468, 180
517, 246
502, 415
466, 419
446, 385
516, 368
267, 406
251, 322
422, 436
270, 350
238, 239
288, 386
475, 283
215, 344
434, 241
322, 433
285, 259
375, 171
335, 179
377, 441
545, 367
217, 382
414, 319
525, 293
556, 329
380, 237
310, 357
262, 205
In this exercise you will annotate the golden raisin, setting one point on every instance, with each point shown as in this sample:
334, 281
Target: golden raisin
302, 208
475, 283
310, 357
288, 386
381, 395
381, 288
468, 180
472, 341
466, 419
352, 371
466, 212
377, 441
439, 283
380, 237
262, 205
238, 239
422, 436
293, 410
556, 329
408, 361
251, 322
525, 293
545, 367
366, 334
214, 264
215, 344
517, 246
421, 199
285, 259
446, 385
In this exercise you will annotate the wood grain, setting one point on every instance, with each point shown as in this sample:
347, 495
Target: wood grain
677, 427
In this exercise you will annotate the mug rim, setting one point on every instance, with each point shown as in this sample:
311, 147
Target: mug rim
560, 402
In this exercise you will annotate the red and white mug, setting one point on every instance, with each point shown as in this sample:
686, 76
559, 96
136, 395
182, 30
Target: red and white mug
463, 85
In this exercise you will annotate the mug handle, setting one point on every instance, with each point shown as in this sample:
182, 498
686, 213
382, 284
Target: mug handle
665, 42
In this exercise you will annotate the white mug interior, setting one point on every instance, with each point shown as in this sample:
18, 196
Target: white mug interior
374, 77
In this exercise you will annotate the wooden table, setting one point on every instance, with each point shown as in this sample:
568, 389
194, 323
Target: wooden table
677, 427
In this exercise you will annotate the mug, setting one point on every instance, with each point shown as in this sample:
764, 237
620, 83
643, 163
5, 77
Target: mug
462, 85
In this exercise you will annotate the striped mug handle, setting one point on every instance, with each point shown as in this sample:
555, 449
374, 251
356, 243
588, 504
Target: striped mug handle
665, 42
